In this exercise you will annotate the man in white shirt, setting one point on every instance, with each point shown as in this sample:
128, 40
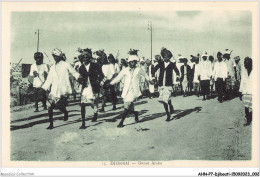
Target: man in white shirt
205, 74
38, 73
58, 80
110, 70
220, 74
131, 90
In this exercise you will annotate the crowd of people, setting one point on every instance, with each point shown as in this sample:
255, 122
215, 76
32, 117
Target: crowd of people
102, 78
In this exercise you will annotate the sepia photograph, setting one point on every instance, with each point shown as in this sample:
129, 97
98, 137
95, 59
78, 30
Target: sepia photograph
134, 85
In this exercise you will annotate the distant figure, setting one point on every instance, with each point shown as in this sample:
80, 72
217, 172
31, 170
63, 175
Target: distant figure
143, 83
230, 81
195, 71
211, 59
39, 72
110, 70
186, 76
205, 74
59, 84
246, 89
166, 80
123, 65
237, 70
149, 71
220, 75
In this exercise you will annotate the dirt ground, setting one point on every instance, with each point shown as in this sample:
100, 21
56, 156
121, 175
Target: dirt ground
199, 130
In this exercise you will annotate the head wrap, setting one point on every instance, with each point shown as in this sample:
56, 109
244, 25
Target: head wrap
57, 52
133, 52
133, 58
85, 52
227, 51
165, 52
111, 58
205, 54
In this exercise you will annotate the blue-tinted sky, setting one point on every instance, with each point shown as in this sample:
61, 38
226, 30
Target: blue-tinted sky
183, 32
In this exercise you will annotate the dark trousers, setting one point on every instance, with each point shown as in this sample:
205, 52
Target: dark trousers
40, 95
110, 94
205, 87
220, 88
61, 105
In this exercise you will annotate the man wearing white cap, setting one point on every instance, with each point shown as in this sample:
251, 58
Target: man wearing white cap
205, 74
230, 81
220, 75
131, 89
58, 80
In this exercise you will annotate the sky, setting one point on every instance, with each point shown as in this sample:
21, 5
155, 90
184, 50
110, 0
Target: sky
183, 32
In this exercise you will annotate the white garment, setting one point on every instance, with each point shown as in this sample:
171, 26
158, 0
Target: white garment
205, 70
220, 70
196, 73
87, 93
109, 70
40, 69
166, 64
246, 82
151, 86
58, 79
230, 67
131, 88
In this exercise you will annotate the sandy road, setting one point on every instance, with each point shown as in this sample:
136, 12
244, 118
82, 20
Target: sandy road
199, 130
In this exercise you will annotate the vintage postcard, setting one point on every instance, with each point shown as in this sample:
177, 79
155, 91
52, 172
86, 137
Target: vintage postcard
130, 84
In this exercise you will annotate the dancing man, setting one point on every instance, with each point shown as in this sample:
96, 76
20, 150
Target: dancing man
58, 80
131, 90
92, 79
166, 80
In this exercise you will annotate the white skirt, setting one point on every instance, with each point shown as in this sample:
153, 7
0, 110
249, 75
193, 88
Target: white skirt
87, 95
